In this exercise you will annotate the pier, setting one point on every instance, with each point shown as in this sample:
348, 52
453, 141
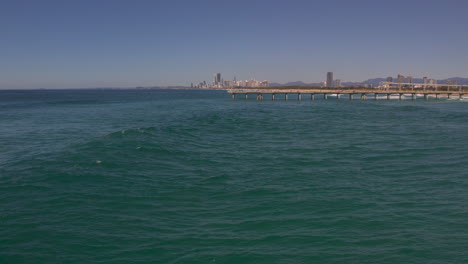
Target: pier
364, 94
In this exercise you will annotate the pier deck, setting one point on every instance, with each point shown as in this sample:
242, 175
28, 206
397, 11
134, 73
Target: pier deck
364, 93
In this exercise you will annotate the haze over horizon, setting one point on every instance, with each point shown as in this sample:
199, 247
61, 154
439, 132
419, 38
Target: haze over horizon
65, 44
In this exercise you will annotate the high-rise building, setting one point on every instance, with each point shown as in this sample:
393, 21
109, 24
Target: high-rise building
329, 79
401, 79
218, 77
409, 79
424, 82
337, 83
389, 79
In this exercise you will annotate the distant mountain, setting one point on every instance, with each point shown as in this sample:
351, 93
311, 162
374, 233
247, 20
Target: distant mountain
297, 83
373, 82
275, 84
459, 80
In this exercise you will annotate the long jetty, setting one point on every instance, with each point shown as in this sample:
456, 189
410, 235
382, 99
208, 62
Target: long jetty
326, 92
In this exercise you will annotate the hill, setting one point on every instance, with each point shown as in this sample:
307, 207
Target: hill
373, 82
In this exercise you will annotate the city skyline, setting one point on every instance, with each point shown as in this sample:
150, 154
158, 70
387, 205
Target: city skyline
220, 83
330, 82
52, 44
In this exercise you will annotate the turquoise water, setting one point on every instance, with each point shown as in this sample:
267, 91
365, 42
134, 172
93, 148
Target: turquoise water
158, 176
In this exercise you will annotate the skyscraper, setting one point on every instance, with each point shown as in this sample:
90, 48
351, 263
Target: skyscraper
330, 79
218, 77
337, 83
401, 79
409, 79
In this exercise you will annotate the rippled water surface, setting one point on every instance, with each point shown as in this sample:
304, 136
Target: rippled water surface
159, 176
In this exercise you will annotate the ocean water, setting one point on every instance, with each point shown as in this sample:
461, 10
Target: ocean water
185, 176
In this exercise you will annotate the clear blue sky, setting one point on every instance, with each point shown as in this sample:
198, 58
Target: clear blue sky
81, 43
